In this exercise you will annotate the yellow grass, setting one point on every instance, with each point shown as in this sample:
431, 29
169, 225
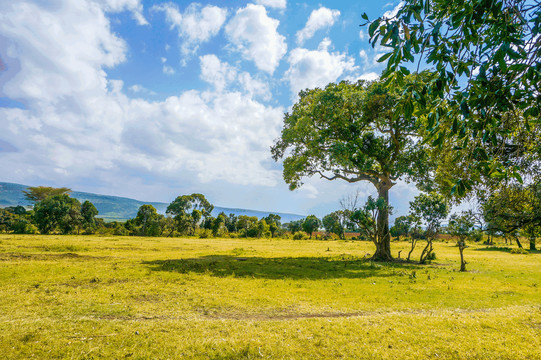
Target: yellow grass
155, 298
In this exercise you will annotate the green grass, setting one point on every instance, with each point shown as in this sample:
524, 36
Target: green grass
153, 298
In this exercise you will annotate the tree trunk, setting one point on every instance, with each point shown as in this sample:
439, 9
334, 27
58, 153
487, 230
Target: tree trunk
383, 244
532, 243
518, 242
462, 262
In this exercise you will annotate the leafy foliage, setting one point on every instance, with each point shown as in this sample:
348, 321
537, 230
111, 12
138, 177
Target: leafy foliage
311, 224
484, 99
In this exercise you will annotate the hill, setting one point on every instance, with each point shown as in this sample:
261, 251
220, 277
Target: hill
116, 208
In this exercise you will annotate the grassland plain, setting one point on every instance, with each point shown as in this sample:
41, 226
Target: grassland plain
85, 297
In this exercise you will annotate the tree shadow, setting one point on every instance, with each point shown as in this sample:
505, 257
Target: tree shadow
312, 268
495, 248
507, 249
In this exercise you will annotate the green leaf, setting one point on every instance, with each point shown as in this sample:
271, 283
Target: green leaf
385, 57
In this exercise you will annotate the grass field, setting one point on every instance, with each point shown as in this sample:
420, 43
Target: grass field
153, 298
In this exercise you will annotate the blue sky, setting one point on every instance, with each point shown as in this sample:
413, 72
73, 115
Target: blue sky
154, 99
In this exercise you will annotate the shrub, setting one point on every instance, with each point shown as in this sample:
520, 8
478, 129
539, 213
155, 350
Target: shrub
300, 236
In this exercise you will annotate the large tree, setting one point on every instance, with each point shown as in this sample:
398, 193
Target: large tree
354, 132
483, 102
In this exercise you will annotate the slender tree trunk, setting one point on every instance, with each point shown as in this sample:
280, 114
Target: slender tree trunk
518, 242
461, 247
532, 243
383, 244
413, 243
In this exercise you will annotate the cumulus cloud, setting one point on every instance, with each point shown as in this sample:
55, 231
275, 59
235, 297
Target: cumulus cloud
316, 68
134, 6
254, 34
222, 75
196, 25
280, 4
216, 72
319, 19
79, 124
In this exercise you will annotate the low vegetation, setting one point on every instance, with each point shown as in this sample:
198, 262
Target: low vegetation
118, 297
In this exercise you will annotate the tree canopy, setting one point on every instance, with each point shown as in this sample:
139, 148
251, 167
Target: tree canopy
38, 193
484, 98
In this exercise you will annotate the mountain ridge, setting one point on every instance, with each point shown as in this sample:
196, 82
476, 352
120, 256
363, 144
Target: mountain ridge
118, 208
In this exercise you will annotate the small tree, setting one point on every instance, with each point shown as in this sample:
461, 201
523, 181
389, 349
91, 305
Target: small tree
311, 224
88, 215
57, 212
245, 223
188, 211
365, 218
334, 223
273, 221
462, 227
402, 226
148, 219
432, 208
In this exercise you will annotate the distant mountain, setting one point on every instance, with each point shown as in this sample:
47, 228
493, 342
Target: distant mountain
115, 208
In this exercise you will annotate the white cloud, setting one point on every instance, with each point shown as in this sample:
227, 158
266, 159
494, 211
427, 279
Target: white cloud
317, 68
168, 70
222, 75
140, 89
371, 76
78, 124
134, 6
216, 72
196, 25
319, 19
363, 35
254, 34
392, 13
280, 4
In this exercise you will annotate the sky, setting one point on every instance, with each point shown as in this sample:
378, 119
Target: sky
156, 99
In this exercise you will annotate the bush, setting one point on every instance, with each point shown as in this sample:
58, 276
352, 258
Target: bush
432, 256
300, 236
205, 233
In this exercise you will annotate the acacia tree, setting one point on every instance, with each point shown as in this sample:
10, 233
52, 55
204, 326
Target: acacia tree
484, 98
354, 132
38, 193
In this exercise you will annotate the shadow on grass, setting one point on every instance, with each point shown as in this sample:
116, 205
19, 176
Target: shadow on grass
507, 249
312, 268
